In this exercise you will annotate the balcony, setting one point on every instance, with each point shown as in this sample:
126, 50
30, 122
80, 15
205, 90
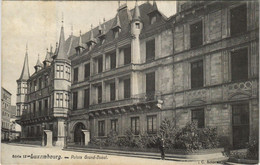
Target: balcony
133, 100
39, 94
31, 118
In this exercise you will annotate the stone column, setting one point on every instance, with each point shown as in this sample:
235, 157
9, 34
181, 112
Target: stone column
134, 83
87, 136
61, 132
117, 86
117, 56
49, 138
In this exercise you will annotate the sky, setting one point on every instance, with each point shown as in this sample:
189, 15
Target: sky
38, 24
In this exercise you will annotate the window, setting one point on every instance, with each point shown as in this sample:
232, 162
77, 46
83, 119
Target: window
137, 25
60, 69
87, 71
196, 34
18, 110
152, 19
100, 64
68, 72
34, 109
59, 99
45, 106
112, 91
127, 88
19, 89
239, 65
86, 98
75, 78
198, 116
75, 100
40, 83
24, 88
135, 125
99, 95
46, 82
51, 127
35, 85
114, 125
40, 108
32, 131
240, 124
150, 50
238, 20
101, 128
197, 74
113, 60
66, 100
151, 124
38, 131
127, 55
31, 87
150, 82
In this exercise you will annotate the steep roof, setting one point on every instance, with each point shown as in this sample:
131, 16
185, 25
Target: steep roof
25, 72
124, 16
61, 51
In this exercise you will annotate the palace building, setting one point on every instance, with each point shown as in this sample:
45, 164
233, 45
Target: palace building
140, 67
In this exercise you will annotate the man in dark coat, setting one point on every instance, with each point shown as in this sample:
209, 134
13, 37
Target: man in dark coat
161, 147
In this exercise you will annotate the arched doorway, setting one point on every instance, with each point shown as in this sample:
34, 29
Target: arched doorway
79, 137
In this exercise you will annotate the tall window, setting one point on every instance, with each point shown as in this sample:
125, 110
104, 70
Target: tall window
45, 106
113, 60
197, 74
59, 99
60, 69
127, 55
68, 72
38, 133
239, 65
135, 125
86, 98
75, 100
32, 131
198, 116
34, 109
114, 125
19, 89
75, 76
196, 34
18, 110
152, 19
40, 107
35, 85
150, 82
151, 124
112, 91
100, 64
66, 100
99, 95
150, 50
87, 71
101, 128
127, 88
238, 20
46, 80
40, 83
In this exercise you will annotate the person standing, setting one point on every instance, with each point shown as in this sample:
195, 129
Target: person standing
161, 147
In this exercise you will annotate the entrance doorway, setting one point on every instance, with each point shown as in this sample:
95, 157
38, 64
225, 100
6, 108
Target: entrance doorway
79, 137
240, 125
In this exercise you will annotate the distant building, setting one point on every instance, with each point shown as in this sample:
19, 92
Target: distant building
6, 113
15, 128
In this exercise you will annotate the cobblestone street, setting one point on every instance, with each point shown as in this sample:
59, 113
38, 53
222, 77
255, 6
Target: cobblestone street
19, 154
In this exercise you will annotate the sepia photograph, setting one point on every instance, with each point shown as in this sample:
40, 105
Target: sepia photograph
130, 82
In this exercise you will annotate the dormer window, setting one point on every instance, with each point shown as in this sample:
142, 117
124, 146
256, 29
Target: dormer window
137, 25
116, 32
152, 19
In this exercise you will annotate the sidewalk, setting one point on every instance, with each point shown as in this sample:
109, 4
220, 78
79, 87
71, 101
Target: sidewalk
214, 157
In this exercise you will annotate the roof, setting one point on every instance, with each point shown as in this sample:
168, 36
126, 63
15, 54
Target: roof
25, 72
124, 16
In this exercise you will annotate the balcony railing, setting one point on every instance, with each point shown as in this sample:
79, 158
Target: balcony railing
134, 99
27, 116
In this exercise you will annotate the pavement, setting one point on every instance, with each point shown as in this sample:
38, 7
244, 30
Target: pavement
12, 153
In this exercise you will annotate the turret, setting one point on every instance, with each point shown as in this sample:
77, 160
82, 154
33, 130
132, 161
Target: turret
48, 59
22, 86
79, 48
38, 65
92, 41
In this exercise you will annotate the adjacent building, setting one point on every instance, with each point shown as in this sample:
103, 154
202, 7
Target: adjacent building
140, 67
6, 113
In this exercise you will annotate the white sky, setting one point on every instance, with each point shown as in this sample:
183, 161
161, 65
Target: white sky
39, 22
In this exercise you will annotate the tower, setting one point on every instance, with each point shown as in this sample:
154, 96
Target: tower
61, 73
22, 87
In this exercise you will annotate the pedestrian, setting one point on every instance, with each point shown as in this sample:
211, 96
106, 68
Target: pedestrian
161, 147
